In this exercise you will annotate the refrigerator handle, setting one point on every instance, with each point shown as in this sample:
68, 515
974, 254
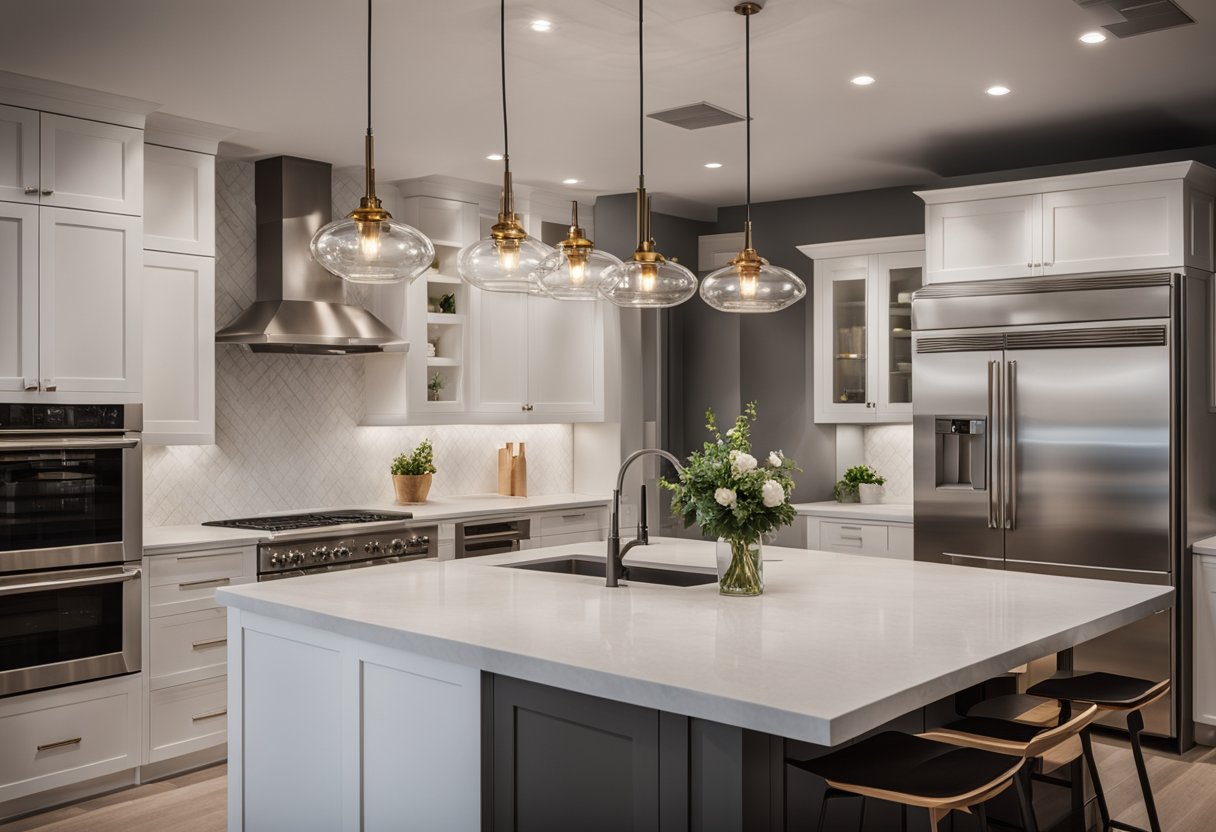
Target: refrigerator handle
1011, 452
994, 439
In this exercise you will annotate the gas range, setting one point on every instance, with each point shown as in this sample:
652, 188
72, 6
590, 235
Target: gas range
303, 544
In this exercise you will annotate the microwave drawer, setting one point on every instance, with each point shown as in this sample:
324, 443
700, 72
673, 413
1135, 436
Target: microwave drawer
859, 538
188, 647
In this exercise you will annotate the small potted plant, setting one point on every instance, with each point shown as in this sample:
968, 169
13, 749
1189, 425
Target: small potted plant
736, 498
434, 386
412, 474
859, 482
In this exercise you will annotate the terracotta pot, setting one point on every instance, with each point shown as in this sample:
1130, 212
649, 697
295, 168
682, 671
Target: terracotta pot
411, 488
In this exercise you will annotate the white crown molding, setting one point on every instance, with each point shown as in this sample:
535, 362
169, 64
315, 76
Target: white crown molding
185, 133
1200, 174
65, 99
856, 248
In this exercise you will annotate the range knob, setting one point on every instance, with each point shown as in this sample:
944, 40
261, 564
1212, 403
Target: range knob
341, 552
397, 546
321, 553
293, 558
375, 544
274, 560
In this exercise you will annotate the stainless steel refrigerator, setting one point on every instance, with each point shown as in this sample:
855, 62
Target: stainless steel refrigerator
1065, 425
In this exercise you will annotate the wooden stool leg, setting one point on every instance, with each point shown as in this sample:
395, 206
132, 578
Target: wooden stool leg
1021, 782
1087, 746
936, 815
1135, 724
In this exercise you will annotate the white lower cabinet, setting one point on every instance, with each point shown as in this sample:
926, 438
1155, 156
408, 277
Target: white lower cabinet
187, 648
56, 738
1205, 642
860, 537
187, 718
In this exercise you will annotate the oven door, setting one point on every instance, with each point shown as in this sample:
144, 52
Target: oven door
69, 501
71, 625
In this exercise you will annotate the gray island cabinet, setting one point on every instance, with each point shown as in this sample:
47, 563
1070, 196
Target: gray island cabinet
465, 695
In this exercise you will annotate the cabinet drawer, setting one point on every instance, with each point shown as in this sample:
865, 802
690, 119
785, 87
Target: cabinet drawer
572, 520
188, 718
858, 538
187, 582
55, 738
568, 538
187, 648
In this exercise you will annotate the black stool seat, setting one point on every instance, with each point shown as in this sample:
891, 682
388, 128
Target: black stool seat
913, 766
1019, 707
1000, 729
1106, 690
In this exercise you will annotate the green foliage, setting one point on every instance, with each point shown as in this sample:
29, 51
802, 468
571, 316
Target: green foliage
421, 461
447, 304
435, 383
722, 488
863, 475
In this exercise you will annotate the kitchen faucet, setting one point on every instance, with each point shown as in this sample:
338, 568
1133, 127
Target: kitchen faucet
613, 567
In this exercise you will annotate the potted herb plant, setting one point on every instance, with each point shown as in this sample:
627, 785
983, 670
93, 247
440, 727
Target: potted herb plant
434, 386
859, 482
412, 474
735, 498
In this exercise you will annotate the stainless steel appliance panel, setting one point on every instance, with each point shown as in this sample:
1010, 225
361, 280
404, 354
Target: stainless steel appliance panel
956, 522
68, 625
491, 537
1089, 469
1140, 650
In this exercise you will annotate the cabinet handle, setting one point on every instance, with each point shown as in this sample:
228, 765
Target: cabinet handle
60, 744
215, 642
851, 528
31, 189
1030, 265
212, 715
208, 582
48, 191
850, 537
573, 516
31, 384
1049, 263
48, 384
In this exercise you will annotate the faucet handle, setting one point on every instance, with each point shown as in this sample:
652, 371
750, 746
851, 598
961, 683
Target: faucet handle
643, 529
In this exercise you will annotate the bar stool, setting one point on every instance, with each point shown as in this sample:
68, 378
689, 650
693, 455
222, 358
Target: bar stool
1110, 692
1030, 739
914, 771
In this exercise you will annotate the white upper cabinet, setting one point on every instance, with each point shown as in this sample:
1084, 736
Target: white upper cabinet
565, 358
89, 310
500, 351
983, 239
863, 328
18, 297
447, 222
179, 201
18, 155
179, 348
1153, 217
90, 165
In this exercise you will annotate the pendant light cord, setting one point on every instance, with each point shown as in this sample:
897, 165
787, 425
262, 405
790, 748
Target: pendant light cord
641, 102
747, 81
502, 55
369, 67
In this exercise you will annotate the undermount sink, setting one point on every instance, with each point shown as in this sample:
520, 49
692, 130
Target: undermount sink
594, 568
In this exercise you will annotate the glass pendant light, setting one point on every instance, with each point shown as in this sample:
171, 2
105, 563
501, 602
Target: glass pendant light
508, 259
576, 268
368, 245
647, 279
750, 283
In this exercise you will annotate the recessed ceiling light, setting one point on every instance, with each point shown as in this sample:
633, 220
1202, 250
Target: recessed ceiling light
1092, 37
863, 80
570, 181
998, 90
541, 25
713, 165
495, 157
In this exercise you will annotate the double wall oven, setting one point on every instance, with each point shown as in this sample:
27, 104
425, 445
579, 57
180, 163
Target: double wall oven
70, 543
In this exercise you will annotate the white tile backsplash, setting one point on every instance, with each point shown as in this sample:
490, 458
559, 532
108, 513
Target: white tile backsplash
287, 432
888, 450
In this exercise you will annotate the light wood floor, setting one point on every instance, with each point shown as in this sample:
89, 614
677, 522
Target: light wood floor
1185, 788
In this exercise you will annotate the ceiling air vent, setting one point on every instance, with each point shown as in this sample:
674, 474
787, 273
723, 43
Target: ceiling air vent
696, 116
1142, 16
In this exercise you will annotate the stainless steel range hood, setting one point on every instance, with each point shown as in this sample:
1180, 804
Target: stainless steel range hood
300, 306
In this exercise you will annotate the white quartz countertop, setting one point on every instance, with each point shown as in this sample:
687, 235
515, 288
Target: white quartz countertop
837, 645
886, 512
158, 539
1207, 546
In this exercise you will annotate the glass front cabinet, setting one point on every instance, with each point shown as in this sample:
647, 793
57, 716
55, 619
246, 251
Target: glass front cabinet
862, 328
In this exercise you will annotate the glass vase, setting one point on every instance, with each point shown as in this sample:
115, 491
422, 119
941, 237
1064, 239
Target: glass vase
740, 567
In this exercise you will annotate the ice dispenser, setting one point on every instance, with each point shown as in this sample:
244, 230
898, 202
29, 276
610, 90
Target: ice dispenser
962, 453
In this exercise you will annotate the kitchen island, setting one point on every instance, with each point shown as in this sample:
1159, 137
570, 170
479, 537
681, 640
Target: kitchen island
441, 691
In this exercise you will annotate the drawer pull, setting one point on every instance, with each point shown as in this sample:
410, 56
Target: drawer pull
212, 715
60, 744
852, 528
215, 642
208, 582
574, 516
850, 537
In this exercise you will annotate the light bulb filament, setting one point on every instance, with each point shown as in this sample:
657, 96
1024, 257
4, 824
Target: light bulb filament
748, 280
508, 255
649, 278
578, 269
369, 240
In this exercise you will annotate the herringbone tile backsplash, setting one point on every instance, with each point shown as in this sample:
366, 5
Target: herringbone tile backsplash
287, 426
